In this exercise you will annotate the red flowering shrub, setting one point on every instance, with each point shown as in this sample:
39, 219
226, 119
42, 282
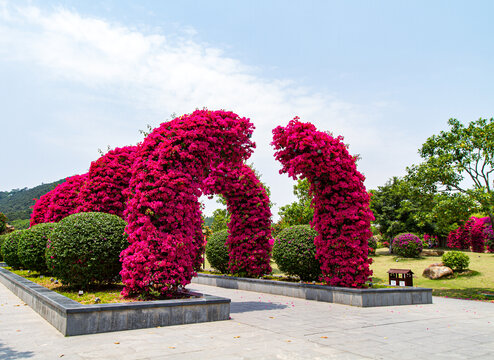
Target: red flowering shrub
250, 225
458, 239
40, 209
473, 234
489, 238
341, 202
477, 235
64, 200
163, 212
107, 183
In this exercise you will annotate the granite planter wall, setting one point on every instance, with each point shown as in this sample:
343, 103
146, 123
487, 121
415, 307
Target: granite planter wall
338, 295
72, 318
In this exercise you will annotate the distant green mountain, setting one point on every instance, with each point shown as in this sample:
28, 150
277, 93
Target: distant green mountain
16, 204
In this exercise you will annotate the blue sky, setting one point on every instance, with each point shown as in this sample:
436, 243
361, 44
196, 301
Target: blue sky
78, 76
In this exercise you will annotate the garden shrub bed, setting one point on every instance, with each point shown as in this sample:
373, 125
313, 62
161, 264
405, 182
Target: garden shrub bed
107, 293
369, 297
72, 318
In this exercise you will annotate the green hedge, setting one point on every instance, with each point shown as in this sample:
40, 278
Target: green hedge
32, 247
84, 248
294, 252
217, 251
9, 249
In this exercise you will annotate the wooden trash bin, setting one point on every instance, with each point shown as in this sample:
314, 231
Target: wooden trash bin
400, 277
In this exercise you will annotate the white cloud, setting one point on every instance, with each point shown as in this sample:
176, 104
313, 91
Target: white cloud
167, 74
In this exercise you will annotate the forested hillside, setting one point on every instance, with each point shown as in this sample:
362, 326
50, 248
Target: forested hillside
15, 204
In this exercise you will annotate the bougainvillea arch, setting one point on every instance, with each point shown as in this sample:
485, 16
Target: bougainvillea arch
107, 183
163, 211
250, 224
40, 209
58, 203
341, 203
65, 200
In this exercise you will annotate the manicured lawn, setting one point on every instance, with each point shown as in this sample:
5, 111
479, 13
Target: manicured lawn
468, 285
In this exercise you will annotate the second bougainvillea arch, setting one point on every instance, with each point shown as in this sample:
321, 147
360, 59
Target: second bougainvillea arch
341, 203
105, 189
60, 202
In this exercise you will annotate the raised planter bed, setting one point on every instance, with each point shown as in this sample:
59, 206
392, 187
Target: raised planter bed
338, 295
72, 318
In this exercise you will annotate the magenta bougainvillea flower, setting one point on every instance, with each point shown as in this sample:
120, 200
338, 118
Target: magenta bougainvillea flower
250, 225
59, 202
40, 209
108, 181
65, 198
163, 212
341, 203
473, 234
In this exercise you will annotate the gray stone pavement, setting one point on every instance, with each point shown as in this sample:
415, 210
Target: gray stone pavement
269, 327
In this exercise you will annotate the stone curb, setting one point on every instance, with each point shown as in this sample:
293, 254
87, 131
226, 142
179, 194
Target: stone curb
337, 295
72, 318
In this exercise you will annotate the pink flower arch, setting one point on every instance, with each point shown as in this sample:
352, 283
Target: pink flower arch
341, 203
64, 200
60, 202
40, 209
107, 183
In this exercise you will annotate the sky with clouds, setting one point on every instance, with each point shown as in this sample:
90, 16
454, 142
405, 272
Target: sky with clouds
76, 76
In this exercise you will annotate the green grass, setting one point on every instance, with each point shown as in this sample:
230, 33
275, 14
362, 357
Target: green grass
470, 284
106, 293
476, 283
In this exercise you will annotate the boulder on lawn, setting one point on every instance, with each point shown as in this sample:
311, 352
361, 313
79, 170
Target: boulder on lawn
437, 271
432, 252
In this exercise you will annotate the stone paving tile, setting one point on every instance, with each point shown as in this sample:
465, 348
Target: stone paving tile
269, 327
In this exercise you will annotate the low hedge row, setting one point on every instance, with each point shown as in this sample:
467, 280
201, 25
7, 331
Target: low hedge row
81, 250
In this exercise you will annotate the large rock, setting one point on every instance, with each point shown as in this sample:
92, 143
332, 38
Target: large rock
437, 271
432, 252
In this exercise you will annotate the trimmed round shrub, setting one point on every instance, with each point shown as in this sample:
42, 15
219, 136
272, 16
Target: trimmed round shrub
217, 251
9, 249
32, 246
295, 253
456, 260
407, 245
84, 248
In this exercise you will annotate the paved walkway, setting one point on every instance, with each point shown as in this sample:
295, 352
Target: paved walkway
269, 327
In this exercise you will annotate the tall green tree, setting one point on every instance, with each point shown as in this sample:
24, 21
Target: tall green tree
459, 161
402, 206
393, 209
298, 212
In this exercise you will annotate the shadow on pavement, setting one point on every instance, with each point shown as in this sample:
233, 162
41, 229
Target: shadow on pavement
7, 353
246, 306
